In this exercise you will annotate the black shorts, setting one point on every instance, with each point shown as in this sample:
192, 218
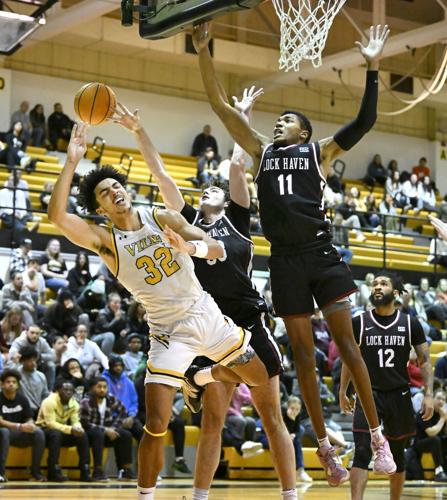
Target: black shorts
395, 411
297, 279
262, 343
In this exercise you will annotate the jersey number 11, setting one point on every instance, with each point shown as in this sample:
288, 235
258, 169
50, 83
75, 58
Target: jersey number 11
281, 184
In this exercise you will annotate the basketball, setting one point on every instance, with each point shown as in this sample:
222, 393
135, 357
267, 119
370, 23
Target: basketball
94, 103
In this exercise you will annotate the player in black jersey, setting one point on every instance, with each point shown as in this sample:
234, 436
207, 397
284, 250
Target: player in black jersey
385, 336
225, 217
291, 176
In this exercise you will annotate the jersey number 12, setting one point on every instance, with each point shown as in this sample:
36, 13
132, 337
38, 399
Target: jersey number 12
389, 355
288, 180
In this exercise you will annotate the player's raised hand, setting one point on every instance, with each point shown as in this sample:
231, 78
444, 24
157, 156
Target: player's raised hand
377, 38
201, 36
77, 147
345, 404
177, 242
427, 408
249, 96
126, 118
441, 227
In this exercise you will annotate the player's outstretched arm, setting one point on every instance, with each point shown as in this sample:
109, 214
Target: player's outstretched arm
441, 227
235, 124
72, 226
187, 238
168, 188
423, 354
350, 135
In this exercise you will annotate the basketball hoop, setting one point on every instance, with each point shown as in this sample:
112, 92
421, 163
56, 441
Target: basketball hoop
304, 29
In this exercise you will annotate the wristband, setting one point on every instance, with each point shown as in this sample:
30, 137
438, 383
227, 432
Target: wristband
201, 249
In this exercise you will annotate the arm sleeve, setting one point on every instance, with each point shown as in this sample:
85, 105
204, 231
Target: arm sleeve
350, 135
417, 333
239, 217
189, 213
356, 328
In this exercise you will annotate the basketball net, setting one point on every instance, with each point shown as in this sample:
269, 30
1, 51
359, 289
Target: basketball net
304, 30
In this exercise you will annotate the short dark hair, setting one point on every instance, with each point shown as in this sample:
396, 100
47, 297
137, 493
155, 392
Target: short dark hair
224, 185
396, 281
96, 380
13, 274
86, 197
304, 121
10, 373
28, 352
60, 382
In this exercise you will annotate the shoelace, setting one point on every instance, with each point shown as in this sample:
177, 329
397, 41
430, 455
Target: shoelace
333, 458
380, 451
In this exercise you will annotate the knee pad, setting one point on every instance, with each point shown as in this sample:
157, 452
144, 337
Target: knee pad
363, 452
341, 305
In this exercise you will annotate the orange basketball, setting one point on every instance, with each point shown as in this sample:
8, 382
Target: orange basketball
94, 103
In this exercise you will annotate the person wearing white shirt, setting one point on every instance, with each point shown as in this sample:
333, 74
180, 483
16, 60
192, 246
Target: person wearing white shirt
410, 190
426, 195
20, 206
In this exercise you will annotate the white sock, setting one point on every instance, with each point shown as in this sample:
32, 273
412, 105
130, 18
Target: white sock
377, 433
204, 376
290, 494
439, 469
199, 494
146, 493
324, 442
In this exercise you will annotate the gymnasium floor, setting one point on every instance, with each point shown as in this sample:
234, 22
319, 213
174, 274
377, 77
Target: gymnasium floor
180, 489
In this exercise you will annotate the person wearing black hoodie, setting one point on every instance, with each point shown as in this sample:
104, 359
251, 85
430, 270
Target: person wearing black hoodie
72, 371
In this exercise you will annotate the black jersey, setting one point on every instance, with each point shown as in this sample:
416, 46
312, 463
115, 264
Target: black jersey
291, 205
385, 343
228, 280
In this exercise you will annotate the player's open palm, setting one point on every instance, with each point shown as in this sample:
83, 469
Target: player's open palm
126, 118
77, 147
201, 36
441, 227
377, 39
249, 96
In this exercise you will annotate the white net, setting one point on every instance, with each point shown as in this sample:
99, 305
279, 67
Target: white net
304, 29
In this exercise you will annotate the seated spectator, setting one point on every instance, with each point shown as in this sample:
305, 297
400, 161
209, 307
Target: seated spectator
45, 195
240, 425
72, 371
376, 173
388, 211
11, 326
37, 119
351, 219
34, 281
207, 167
14, 294
421, 170
412, 305
334, 181
59, 126
59, 417
203, 141
394, 187
53, 266
111, 322
79, 275
414, 373
392, 168
365, 290
372, 216
22, 116
441, 367
20, 256
87, 352
427, 298
33, 384
410, 190
58, 346
31, 338
133, 355
320, 330
14, 153
137, 323
103, 417
63, 317
124, 390
18, 216
17, 427
93, 297
426, 195
428, 435
438, 252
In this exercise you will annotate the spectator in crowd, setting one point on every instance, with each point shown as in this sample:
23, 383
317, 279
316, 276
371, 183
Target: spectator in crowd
429, 432
103, 417
351, 219
59, 416
223, 170
33, 384
133, 355
376, 172
320, 330
438, 252
427, 298
410, 190
372, 216
441, 367
388, 211
53, 266
414, 374
365, 290
59, 126
426, 195
11, 326
421, 170
63, 317
441, 293
137, 323
34, 281
37, 119
111, 324
17, 427
45, 195
334, 181
20, 256
393, 187
207, 166
93, 297
412, 305
203, 141
14, 153
124, 390
72, 371
87, 352
79, 275
392, 168
14, 294
15, 208
242, 426
22, 116
58, 346
31, 338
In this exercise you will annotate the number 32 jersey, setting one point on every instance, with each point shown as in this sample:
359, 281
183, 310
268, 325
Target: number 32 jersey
385, 343
158, 276
290, 191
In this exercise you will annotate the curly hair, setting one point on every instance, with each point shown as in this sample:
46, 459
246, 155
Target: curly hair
86, 197
396, 281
